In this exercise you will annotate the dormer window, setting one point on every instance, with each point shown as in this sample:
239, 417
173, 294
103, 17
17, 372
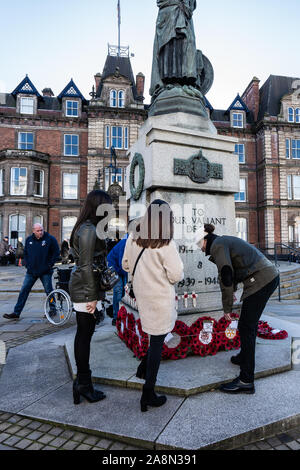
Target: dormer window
121, 99
113, 99
237, 120
72, 108
117, 99
26, 105
294, 115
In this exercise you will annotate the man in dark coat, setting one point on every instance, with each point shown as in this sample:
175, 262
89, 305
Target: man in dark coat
40, 253
239, 262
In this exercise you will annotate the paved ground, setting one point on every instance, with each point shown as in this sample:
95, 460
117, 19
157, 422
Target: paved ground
16, 432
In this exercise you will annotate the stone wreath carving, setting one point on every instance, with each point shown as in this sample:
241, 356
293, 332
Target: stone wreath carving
137, 189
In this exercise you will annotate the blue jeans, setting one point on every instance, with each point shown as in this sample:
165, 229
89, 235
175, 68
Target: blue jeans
118, 293
28, 283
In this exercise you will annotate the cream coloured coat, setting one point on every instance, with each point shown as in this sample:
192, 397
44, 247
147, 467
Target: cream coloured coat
157, 271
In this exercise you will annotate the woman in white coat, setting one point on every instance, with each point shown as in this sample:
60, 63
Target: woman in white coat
158, 269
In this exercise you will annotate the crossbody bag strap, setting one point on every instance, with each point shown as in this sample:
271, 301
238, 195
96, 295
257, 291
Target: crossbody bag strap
138, 259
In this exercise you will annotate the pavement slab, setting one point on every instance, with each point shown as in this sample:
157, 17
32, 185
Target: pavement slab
216, 418
31, 371
118, 416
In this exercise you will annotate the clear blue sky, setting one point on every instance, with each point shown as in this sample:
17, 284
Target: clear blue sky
56, 40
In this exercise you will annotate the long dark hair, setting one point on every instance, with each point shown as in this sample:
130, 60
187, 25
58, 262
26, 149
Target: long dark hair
157, 226
88, 212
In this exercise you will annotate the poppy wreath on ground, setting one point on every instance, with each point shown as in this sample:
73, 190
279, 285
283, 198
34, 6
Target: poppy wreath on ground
226, 344
198, 347
128, 336
266, 332
121, 323
182, 349
140, 341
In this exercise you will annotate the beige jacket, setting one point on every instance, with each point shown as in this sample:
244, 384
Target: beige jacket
153, 284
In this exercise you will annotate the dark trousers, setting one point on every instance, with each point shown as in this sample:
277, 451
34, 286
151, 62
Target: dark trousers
85, 329
153, 360
28, 284
252, 309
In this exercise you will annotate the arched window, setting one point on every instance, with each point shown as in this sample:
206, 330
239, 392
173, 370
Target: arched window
113, 98
297, 115
17, 228
291, 114
121, 99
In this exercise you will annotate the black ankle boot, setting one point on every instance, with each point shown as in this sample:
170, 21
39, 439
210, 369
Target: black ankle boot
141, 370
149, 398
82, 386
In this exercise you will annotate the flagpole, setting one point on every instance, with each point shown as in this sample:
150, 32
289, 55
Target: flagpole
119, 28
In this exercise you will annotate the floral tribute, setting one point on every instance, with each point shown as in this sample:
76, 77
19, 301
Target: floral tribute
267, 332
205, 337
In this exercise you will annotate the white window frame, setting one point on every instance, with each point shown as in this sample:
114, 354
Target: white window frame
20, 233
26, 144
72, 109
2, 178
113, 98
242, 223
288, 148
26, 108
291, 187
42, 182
109, 177
291, 114
121, 99
124, 138
237, 152
65, 194
13, 180
69, 227
237, 120
295, 149
243, 190
71, 145
297, 115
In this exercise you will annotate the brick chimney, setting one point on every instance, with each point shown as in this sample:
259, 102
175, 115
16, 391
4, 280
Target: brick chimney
97, 77
251, 96
47, 92
140, 84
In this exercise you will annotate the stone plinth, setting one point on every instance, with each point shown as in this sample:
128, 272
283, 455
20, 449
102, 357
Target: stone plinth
187, 164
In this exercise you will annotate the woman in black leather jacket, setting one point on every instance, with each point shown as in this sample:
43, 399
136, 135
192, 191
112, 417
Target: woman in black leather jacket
87, 250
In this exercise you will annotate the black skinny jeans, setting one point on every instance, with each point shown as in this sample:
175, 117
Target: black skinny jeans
252, 309
153, 360
85, 329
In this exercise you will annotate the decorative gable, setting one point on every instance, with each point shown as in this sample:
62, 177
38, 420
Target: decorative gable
71, 91
26, 87
238, 105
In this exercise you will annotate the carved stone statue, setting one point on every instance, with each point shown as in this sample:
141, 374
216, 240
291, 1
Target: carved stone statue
176, 60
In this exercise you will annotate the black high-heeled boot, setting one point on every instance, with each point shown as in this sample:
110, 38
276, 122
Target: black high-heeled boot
149, 398
141, 370
83, 387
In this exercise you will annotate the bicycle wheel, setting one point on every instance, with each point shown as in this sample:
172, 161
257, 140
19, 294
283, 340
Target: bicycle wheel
58, 307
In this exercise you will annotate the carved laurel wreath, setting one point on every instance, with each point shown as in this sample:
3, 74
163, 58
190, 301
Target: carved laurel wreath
136, 191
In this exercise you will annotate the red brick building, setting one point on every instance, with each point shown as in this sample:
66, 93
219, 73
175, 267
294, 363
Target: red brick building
55, 149
266, 122
43, 159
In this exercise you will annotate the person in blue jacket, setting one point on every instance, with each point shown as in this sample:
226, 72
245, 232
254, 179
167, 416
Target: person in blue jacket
40, 253
114, 259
